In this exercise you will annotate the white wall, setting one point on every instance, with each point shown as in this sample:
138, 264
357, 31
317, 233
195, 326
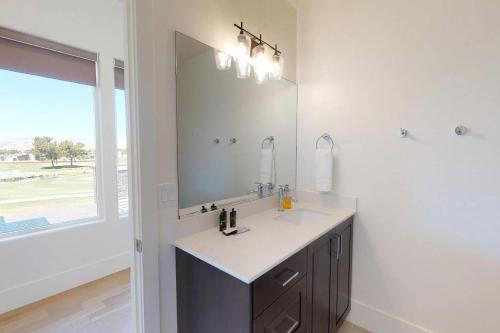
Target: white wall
216, 104
210, 21
426, 253
38, 265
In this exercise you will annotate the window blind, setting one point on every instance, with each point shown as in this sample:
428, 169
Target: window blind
119, 74
27, 54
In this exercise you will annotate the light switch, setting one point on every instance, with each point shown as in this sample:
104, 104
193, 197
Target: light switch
164, 195
167, 195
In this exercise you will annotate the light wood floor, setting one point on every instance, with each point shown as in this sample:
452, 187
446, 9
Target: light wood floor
102, 306
347, 327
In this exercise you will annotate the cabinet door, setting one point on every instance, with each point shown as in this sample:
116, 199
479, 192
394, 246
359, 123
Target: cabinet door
320, 290
342, 270
287, 314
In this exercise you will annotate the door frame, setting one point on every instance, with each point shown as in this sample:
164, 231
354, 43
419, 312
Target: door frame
141, 128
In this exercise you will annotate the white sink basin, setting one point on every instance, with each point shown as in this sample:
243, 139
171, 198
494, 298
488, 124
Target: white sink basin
302, 215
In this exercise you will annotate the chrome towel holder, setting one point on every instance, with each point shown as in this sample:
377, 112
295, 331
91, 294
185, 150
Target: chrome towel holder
269, 139
326, 137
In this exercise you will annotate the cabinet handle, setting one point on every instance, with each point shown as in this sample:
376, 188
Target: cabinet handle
292, 328
341, 246
338, 244
290, 279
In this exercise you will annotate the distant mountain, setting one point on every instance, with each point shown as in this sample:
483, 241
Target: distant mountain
23, 144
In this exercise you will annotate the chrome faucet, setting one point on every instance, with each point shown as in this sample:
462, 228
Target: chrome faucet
281, 197
284, 193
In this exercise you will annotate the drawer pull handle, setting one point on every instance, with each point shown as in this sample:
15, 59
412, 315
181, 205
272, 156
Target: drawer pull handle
284, 284
292, 328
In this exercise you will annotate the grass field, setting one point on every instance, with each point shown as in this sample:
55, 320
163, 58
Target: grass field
28, 167
36, 192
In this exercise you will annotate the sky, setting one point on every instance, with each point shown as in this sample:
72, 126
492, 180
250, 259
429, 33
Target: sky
36, 106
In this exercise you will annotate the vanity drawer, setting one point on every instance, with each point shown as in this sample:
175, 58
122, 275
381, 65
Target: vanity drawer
287, 314
274, 283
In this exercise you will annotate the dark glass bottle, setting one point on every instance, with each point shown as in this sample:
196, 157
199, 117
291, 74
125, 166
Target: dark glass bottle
232, 218
223, 220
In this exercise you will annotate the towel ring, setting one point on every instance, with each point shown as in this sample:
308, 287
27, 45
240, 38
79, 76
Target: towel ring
326, 137
269, 139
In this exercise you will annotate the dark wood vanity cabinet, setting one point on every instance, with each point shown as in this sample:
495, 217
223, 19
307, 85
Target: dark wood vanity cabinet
342, 272
307, 293
329, 279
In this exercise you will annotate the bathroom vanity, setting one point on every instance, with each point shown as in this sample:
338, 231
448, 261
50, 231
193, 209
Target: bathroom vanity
290, 273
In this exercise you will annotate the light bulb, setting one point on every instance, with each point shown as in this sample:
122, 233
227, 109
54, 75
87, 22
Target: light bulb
260, 65
276, 68
242, 56
222, 60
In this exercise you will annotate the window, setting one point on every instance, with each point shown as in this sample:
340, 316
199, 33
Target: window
121, 137
47, 133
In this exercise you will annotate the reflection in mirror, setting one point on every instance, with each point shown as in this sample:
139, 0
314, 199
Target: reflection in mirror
232, 133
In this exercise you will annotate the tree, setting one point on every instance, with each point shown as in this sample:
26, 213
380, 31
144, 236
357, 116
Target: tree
45, 149
40, 147
53, 153
72, 150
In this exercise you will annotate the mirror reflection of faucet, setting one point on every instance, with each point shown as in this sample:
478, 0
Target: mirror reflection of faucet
262, 189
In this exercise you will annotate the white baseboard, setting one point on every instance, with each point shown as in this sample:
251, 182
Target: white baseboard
378, 321
21, 295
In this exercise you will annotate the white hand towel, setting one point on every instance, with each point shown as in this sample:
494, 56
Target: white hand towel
266, 165
324, 165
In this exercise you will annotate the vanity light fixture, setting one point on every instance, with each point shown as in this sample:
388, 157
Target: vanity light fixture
251, 53
276, 68
260, 65
222, 60
242, 56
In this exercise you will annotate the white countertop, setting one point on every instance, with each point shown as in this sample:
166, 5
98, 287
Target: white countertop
270, 241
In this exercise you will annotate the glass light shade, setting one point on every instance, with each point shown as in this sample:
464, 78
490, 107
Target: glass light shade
276, 68
222, 60
260, 65
243, 68
242, 57
243, 48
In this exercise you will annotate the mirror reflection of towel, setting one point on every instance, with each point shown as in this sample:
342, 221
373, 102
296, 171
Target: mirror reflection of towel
324, 166
266, 165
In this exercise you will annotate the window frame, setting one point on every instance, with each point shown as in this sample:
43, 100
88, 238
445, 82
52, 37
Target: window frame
99, 186
120, 64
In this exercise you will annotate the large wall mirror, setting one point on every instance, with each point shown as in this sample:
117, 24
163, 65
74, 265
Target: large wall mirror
232, 133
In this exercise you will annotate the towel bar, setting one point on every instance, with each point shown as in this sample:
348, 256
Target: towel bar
326, 137
269, 139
